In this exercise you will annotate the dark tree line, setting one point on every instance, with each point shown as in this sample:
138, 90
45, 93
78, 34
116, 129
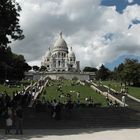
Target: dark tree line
127, 72
90, 69
102, 73
12, 66
9, 22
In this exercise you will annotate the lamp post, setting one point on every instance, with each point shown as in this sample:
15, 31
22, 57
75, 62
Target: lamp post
6, 79
108, 88
5, 72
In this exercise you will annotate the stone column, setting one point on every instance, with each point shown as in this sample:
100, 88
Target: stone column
56, 63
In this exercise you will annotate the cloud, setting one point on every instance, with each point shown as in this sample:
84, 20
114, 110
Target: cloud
130, 1
97, 33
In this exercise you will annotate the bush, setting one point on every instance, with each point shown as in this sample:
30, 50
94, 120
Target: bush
74, 78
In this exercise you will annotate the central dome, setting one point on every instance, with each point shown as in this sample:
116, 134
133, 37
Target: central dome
60, 44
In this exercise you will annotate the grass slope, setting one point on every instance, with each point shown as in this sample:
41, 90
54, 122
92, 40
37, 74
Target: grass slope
51, 92
10, 90
17, 87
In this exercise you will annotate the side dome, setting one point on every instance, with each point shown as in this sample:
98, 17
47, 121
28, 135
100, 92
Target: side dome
60, 44
48, 53
71, 54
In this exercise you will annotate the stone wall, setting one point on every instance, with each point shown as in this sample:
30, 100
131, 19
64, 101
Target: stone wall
56, 75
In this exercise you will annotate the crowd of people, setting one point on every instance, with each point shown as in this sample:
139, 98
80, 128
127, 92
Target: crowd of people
55, 107
11, 109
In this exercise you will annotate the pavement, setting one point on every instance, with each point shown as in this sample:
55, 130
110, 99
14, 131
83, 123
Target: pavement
75, 134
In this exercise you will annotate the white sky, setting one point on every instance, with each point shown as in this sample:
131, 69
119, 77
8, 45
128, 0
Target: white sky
98, 34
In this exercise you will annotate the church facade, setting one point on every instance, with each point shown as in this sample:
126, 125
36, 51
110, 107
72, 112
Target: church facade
60, 61
60, 58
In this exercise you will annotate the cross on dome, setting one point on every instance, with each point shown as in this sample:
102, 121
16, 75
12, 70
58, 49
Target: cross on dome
61, 34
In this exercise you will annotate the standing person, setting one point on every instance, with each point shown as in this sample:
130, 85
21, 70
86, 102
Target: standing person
19, 120
69, 107
9, 124
123, 100
54, 105
9, 112
78, 97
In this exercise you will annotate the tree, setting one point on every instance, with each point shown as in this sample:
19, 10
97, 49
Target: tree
103, 73
43, 68
118, 72
90, 69
12, 66
9, 22
131, 72
35, 68
128, 72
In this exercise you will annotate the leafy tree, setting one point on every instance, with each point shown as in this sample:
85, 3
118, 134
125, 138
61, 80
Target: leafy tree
118, 74
35, 68
90, 69
12, 66
131, 72
74, 78
43, 68
128, 72
9, 22
103, 73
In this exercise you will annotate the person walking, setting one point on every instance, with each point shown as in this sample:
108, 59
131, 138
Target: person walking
123, 100
19, 120
9, 124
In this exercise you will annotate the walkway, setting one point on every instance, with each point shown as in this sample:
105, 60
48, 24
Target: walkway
76, 134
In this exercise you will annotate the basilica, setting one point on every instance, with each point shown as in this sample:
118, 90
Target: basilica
60, 61
60, 58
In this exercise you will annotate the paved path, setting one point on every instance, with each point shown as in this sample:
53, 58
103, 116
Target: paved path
76, 134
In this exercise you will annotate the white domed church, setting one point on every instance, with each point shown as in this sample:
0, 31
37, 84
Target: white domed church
61, 58
60, 61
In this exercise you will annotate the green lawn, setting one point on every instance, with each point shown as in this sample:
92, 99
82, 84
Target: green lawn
134, 91
51, 92
10, 90
19, 87
113, 84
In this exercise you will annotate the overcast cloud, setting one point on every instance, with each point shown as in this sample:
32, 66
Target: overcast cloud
98, 34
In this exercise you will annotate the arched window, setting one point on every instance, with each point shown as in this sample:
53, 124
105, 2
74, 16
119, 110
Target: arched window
58, 63
58, 54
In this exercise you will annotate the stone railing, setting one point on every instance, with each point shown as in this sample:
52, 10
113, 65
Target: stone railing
38, 92
128, 95
106, 94
132, 97
82, 83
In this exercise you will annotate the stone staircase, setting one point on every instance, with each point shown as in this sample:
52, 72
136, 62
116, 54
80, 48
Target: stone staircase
129, 101
80, 118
